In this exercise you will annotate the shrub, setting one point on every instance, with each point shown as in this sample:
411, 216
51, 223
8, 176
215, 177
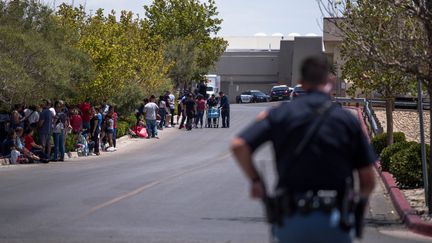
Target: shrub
379, 142
389, 151
406, 166
122, 128
71, 141
131, 119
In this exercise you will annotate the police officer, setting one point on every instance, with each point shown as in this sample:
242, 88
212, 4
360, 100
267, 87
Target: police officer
318, 147
225, 109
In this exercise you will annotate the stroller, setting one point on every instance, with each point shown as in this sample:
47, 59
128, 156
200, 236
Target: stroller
212, 117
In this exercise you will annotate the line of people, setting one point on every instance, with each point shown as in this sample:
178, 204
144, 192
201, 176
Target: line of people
191, 109
54, 123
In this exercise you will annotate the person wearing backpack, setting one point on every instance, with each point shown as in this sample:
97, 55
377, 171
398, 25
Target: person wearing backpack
31, 117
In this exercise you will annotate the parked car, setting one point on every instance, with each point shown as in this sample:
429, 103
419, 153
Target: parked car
297, 91
280, 92
252, 96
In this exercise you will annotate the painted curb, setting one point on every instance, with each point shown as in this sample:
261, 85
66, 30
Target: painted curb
406, 213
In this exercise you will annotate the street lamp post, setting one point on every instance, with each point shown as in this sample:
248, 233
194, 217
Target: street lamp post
423, 145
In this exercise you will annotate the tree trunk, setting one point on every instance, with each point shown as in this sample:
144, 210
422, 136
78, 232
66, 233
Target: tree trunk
389, 117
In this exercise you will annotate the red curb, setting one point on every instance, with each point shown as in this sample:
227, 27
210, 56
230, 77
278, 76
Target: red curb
406, 213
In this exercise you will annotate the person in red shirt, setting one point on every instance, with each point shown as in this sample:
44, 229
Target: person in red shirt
85, 114
76, 121
201, 106
33, 147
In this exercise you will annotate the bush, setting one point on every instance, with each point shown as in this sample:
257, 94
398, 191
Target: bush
122, 128
406, 166
391, 150
379, 142
71, 141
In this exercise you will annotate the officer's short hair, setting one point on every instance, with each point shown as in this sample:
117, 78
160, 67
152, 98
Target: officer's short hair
315, 69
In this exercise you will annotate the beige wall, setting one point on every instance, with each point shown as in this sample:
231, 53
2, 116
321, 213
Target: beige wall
333, 38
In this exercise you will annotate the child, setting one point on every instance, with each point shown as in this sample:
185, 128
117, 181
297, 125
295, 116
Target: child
109, 131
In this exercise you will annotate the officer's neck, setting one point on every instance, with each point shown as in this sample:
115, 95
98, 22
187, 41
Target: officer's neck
322, 88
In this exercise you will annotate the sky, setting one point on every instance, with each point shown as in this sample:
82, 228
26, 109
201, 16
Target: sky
241, 17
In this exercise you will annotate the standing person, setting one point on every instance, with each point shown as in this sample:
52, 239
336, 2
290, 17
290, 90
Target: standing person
202, 89
114, 116
190, 111
162, 112
180, 113
59, 132
171, 103
225, 110
31, 117
109, 131
105, 107
102, 128
200, 107
150, 111
182, 109
76, 121
17, 119
86, 113
45, 127
318, 146
95, 130
211, 103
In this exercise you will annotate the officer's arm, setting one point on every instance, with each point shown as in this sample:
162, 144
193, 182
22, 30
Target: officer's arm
367, 180
248, 141
243, 154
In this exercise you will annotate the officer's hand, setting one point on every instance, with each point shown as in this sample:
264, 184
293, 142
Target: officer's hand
257, 190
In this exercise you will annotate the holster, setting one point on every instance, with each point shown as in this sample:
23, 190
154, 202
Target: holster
273, 210
359, 213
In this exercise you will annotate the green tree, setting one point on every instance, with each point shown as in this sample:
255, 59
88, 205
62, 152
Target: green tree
188, 29
36, 63
129, 62
401, 38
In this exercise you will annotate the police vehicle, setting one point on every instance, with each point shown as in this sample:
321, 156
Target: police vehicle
252, 96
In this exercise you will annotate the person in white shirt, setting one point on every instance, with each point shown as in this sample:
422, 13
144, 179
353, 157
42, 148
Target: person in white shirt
150, 111
31, 114
171, 103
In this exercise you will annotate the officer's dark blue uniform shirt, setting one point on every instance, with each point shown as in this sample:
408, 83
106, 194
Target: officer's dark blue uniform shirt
338, 147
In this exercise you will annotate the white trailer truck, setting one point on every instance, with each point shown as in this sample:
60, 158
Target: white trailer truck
213, 84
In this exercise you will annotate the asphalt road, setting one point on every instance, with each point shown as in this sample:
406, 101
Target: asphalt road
184, 187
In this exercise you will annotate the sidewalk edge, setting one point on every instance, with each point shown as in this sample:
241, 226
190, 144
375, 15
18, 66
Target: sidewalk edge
406, 213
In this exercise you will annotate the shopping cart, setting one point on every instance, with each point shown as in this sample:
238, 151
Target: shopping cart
212, 117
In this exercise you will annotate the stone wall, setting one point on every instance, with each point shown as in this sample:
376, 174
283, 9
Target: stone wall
407, 122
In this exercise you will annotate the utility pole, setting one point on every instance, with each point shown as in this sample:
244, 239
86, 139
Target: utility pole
423, 145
